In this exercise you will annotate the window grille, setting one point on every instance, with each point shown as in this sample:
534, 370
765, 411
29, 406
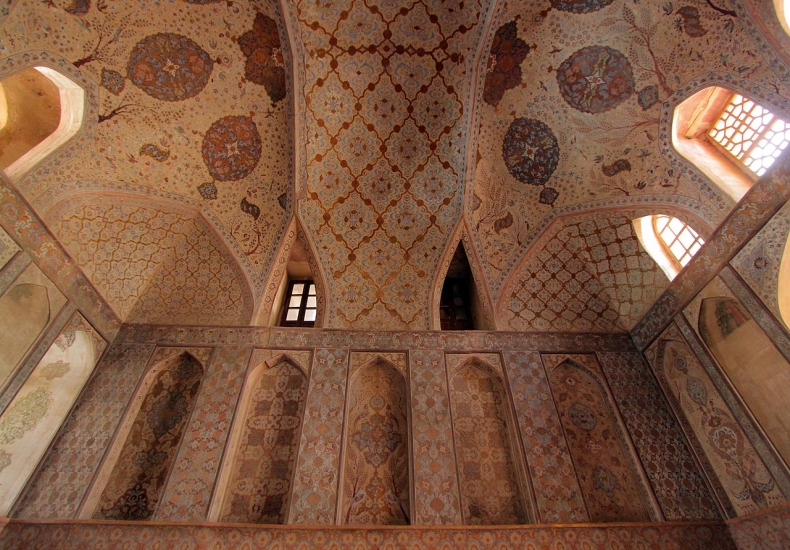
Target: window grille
750, 133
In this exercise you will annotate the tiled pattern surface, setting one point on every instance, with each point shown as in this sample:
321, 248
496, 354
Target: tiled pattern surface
748, 483
592, 274
604, 464
676, 481
554, 481
767, 530
435, 476
7, 248
260, 484
164, 90
386, 111
133, 489
376, 485
113, 536
64, 476
315, 481
490, 491
154, 263
188, 492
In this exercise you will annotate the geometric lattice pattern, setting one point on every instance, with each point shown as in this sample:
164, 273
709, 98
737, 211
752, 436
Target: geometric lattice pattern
592, 275
153, 265
385, 93
751, 133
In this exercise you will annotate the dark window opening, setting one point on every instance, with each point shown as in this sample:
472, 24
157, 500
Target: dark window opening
455, 307
301, 305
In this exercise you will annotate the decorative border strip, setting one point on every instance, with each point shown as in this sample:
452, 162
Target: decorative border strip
26, 228
739, 411
13, 269
756, 208
761, 314
69, 535
296, 338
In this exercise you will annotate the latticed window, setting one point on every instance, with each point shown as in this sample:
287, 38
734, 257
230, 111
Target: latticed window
680, 240
750, 133
301, 305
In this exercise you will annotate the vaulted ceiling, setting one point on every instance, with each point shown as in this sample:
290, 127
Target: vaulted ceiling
535, 131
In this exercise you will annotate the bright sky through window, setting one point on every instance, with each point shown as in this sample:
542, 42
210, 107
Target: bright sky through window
751, 133
682, 241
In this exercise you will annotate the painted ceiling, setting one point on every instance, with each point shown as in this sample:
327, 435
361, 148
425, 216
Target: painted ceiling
532, 130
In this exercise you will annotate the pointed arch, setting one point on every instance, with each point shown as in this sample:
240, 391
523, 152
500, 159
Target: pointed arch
256, 479
492, 491
135, 470
605, 466
376, 480
295, 259
676, 115
482, 305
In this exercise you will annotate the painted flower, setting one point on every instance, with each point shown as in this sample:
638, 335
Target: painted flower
169, 67
595, 79
507, 53
232, 148
265, 64
530, 151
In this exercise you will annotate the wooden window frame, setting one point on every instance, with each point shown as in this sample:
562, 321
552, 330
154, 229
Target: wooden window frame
302, 308
739, 162
667, 246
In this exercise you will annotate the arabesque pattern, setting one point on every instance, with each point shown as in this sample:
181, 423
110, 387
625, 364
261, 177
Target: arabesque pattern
386, 95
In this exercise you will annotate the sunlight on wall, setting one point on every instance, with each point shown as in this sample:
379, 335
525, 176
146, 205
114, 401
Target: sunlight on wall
34, 416
72, 109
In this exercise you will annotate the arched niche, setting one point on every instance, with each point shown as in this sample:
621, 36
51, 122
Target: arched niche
604, 465
134, 474
485, 448
375, 487
40, 110
34, 415
255, 485
456, 290
759, 372
24, 314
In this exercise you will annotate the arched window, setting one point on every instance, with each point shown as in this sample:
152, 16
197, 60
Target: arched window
671, 242
731, 138
782, 8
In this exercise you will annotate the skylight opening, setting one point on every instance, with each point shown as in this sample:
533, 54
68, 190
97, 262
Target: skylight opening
750, 133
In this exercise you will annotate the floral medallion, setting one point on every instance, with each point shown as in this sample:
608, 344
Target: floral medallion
595, 79
530, 151
265, 66
580, 6
504, 64
169, 67
232, 148
112, 81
